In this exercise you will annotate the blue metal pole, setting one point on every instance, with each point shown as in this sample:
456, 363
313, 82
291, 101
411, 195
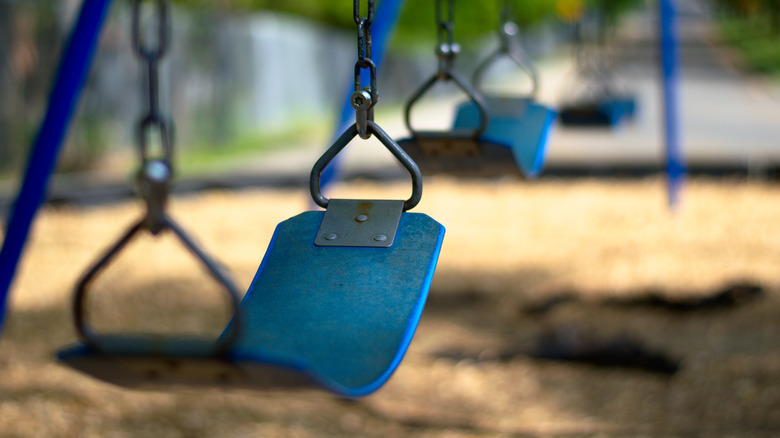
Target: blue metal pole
66, 89
675, 162
385, 20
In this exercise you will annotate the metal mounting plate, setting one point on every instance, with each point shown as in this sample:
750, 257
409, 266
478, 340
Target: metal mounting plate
360, 223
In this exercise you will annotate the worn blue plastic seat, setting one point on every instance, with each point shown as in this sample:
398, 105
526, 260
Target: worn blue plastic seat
459, 154
519, 124
341, 316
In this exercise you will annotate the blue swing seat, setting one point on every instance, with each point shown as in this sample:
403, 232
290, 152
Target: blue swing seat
331, 317
519, 124
607, 112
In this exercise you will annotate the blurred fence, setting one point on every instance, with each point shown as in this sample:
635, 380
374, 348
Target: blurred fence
225, 75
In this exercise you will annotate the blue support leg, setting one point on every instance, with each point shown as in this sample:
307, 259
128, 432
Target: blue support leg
71, 76
675, 162
385, 21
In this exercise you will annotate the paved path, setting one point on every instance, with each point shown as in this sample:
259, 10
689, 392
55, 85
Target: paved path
728, 117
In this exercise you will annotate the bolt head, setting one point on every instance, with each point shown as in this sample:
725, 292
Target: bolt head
157, 171
360, 99
447, 49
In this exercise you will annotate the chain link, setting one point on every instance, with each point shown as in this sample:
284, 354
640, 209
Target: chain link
370, 13
507, 27
363, 99
162, 31
507, 13
447, 49
445, 26
150, 56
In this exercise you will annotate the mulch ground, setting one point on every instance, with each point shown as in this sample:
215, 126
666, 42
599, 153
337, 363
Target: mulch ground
593, 267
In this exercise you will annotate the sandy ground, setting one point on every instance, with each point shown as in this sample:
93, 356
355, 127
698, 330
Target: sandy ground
509, 245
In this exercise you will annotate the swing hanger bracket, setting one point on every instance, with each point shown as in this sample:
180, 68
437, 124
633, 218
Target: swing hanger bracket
446, 52
358, 222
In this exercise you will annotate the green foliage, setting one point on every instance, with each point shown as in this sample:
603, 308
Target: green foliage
612, 9
417, 24
417, 21
756, 41
753, 27
472, 19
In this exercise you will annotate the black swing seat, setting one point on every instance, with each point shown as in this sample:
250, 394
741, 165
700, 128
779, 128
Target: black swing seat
142, 362
459, 153
334, 306
608, 111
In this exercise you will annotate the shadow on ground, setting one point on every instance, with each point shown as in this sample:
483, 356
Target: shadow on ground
475, 369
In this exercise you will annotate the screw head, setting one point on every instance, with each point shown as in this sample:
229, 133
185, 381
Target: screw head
360, 99
448, 50
380, 237
361, 218
157, 171
331, 236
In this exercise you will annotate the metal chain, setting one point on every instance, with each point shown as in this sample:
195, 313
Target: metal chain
370, 13
447, 49
363, 99
507, 27
506, 13
155, 173
151, 56
508, 31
